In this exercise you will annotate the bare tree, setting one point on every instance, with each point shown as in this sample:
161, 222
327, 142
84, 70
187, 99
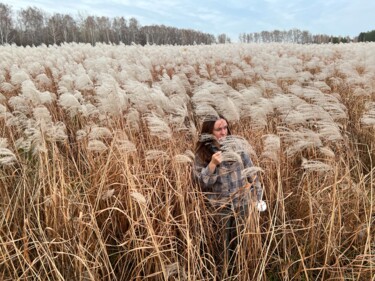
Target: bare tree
104, 29
55, 28
90, 30
31, 21
120, 29
6, 23
69, 29
223, 38
134, 30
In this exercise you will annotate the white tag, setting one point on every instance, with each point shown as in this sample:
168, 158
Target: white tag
261, 205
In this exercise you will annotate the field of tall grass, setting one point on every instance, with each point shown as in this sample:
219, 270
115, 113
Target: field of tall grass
97, 145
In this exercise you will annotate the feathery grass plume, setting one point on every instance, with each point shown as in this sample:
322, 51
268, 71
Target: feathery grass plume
321, 85
111, 98
70, 103
328, 102
172, 86
81, 134
7, 157
236, 72
329, 130
297, 141
182, 158
36, 139
285, 103
138, 197
326, 151
251, 94
306, 114
43, 80
126, 146
133, 119
179, 120
237, 144
158, 127
231, 156
203, 96
34, 96
66, 82
3, 112
97, 132
137, 72
7, 87
203, 110
315, 166
57, 132
18, 76
145, 99
108, 194
228, 108
189, 154
43, 118
206, 137
203, 71
96, 146
33, 67
271, 148
251, 171
154, 154
83, 82
20, 104
258, 112
122, 142
334, 107
368, 117
360, 92
89, 110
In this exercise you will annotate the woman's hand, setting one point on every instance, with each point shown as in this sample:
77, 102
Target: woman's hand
215, 160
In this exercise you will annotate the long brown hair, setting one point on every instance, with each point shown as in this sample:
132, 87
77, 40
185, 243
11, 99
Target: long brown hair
202, 150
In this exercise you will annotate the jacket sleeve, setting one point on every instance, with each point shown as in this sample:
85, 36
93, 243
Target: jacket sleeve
256, 184
202, 174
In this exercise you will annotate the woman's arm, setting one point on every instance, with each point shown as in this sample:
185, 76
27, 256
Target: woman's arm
254, 180
206, 174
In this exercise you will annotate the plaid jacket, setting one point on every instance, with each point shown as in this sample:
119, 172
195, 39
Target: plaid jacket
224, 186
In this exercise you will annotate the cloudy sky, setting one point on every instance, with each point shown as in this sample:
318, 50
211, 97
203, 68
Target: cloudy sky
331, 17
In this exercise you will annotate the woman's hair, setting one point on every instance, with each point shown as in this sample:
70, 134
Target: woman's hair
201, 148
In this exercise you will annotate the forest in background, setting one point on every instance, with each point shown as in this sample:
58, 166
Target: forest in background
33, 27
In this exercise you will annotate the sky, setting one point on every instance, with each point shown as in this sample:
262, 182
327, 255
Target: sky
232, 17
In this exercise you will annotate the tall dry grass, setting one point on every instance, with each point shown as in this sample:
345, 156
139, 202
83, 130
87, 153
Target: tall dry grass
96, 156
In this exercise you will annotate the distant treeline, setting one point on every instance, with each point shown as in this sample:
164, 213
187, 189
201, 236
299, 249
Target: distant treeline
32, 26
367, 36
292, 36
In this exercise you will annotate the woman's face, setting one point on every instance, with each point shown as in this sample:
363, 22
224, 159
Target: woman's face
220, 129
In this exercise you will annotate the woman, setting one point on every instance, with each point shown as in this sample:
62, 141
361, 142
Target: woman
219, 165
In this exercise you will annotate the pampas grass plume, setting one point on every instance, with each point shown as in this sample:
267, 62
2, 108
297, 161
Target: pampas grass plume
272, 146
154, 154
315, 166
70, 103
158, 127
96, 146
138, 197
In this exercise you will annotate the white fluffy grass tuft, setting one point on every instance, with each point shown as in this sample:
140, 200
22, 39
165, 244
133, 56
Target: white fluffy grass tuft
96, 146
7, 157
70, 103
315, 166
271, 148
158, 127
